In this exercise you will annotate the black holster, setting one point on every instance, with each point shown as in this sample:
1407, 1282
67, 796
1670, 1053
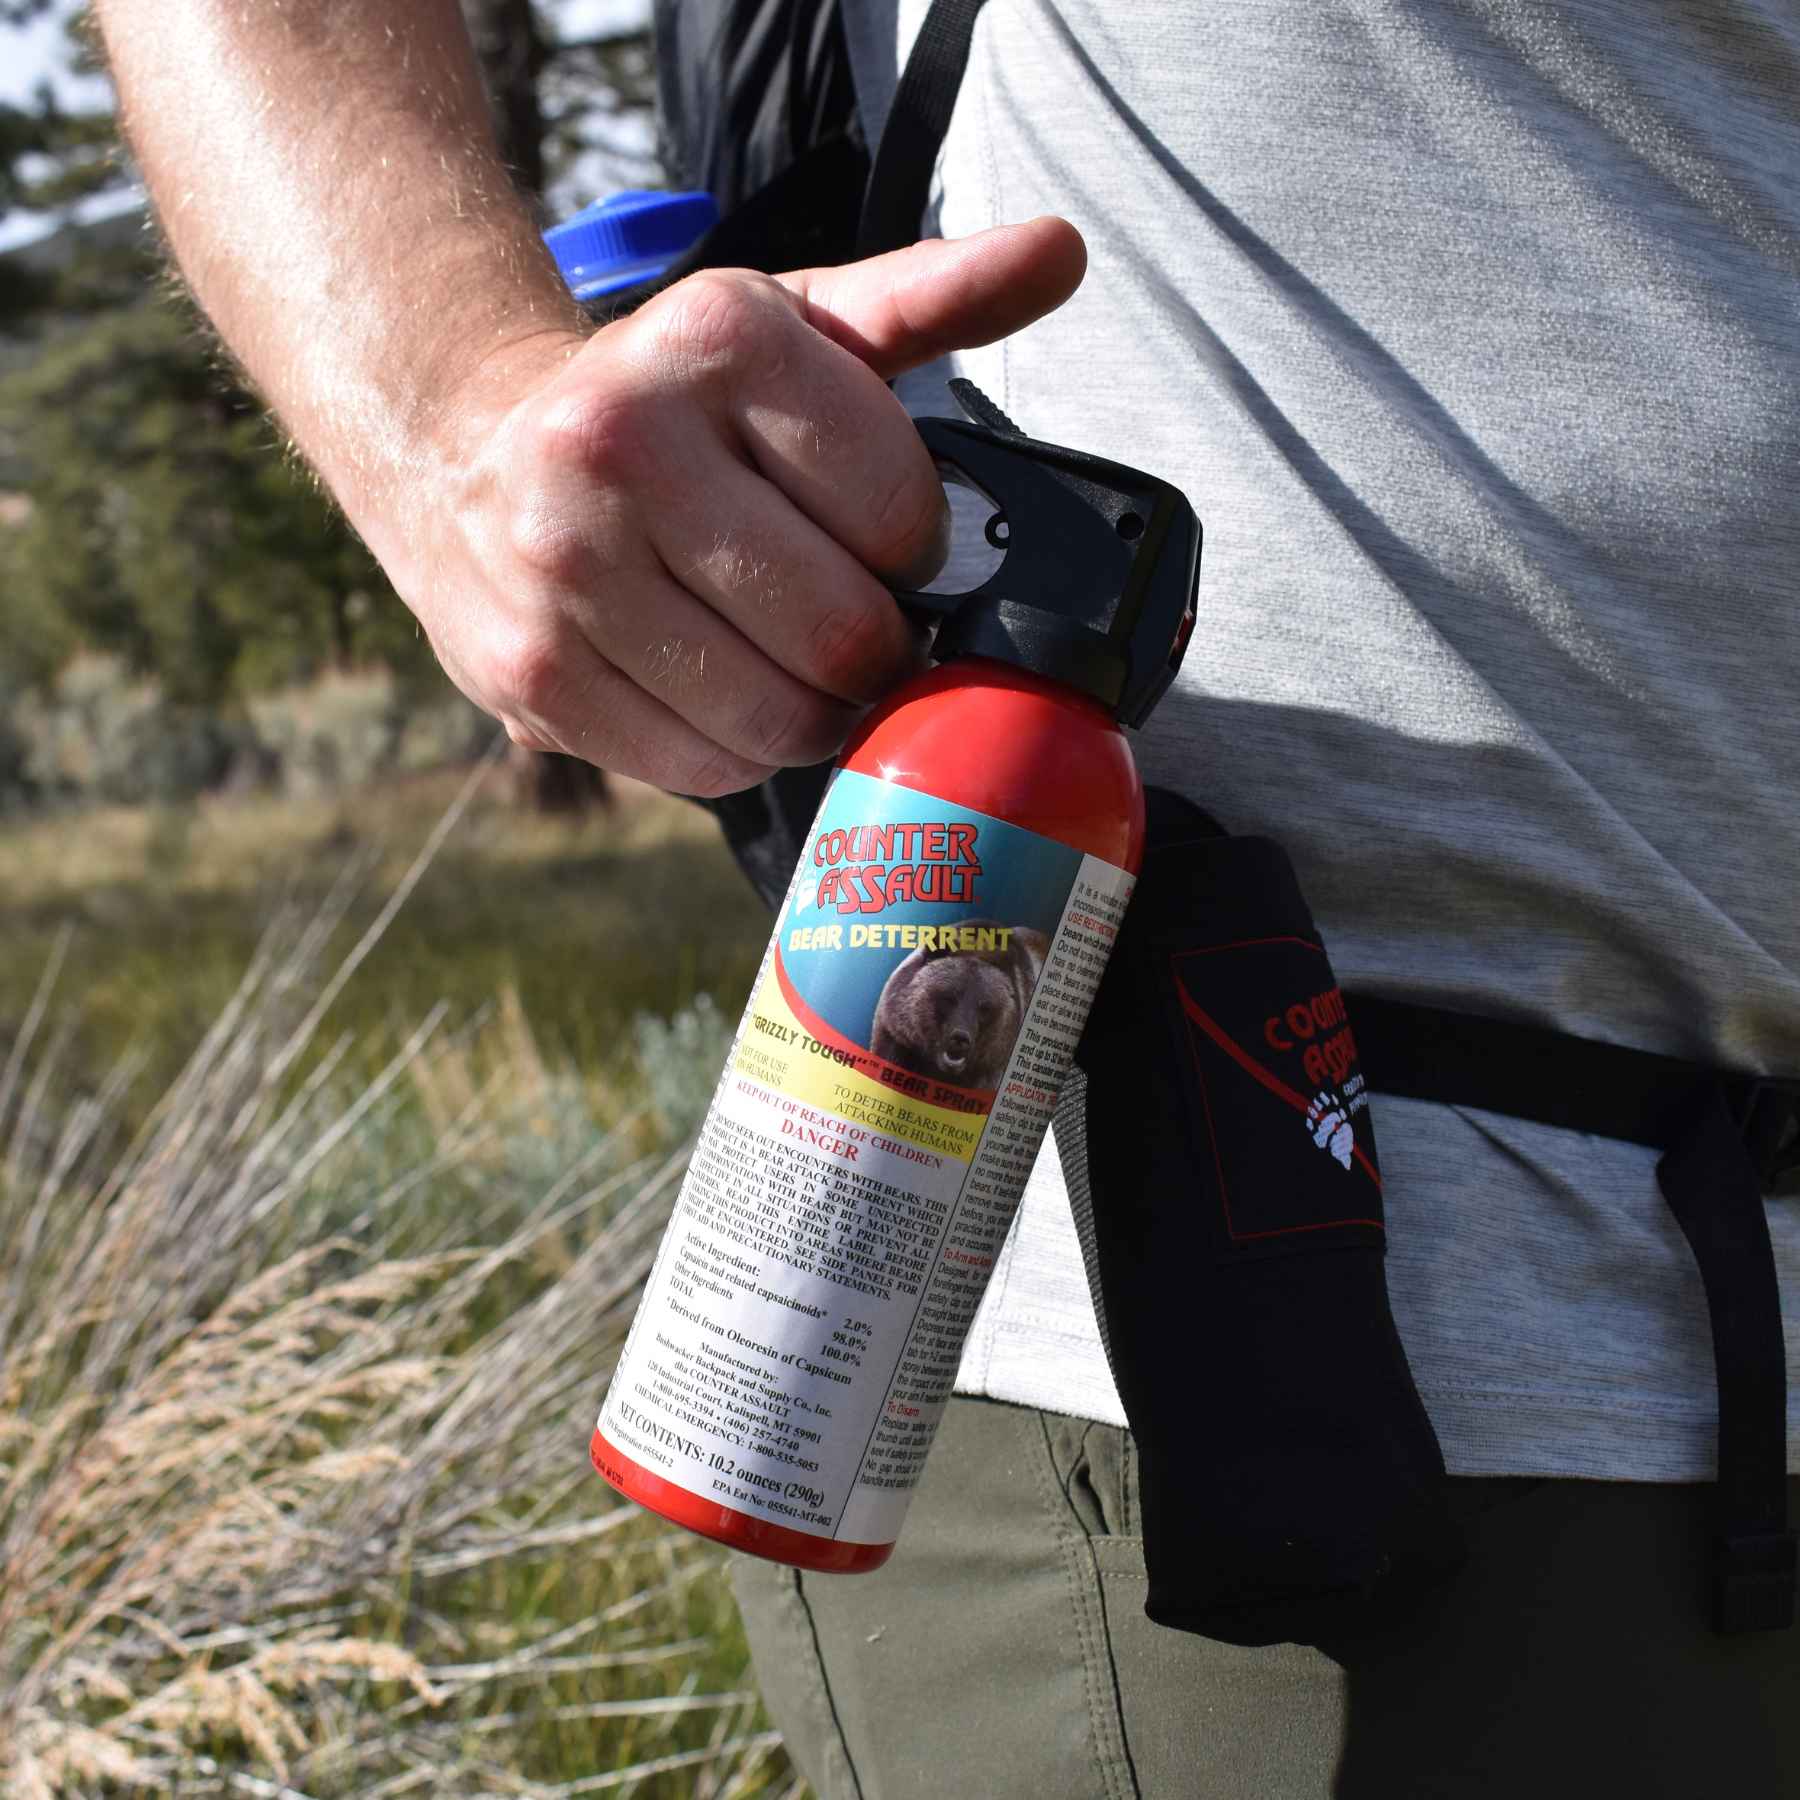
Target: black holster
1221, 1162
1219, 1153
1220, 1159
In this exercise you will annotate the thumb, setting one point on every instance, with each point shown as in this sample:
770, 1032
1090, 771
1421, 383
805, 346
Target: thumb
903, 309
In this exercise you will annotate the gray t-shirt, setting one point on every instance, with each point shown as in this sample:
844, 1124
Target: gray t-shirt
1473, 331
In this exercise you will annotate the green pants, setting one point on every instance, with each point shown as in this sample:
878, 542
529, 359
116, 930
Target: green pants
1004, 1651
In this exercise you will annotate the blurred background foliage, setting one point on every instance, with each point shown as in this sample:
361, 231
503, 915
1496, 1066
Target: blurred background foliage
209, 694
152, 524
297, 975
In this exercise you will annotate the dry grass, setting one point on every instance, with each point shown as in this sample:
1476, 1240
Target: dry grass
294, 1392
593, 923
241, 844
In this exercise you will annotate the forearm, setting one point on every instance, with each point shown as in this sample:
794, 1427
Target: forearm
659, 546
326, 173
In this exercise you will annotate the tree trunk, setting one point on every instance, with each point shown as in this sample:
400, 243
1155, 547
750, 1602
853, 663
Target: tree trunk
548, 783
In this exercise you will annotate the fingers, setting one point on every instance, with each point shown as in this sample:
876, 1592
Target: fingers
897, 311
608, 657
809, 396
554, 692
689, 658
667, 557
835, 440
788, 588
657, 465
729, 358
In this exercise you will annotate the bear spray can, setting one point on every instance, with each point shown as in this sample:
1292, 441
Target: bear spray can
914, 1016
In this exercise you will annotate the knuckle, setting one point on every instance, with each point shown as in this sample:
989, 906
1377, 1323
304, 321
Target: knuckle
522, 737
717, 317
596, 431
674, 666
789, 729
548, 547
850, 653
755, 575
532, 673
906, 519
719, 771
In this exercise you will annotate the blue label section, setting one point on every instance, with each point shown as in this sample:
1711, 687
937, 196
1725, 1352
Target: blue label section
892, 876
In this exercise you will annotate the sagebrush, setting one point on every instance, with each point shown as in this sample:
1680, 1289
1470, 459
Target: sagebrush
294, 1389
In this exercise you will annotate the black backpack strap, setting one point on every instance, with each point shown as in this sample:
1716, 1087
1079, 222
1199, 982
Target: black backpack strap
801, 218
745, 89
900, 183
828, 204
1711, 1185
804, 215
1728, 1140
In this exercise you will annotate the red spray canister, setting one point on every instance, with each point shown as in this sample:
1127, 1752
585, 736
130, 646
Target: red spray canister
915, 1014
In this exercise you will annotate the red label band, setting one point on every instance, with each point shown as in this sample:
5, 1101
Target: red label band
725, 1524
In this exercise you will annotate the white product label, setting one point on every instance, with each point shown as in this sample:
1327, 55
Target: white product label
877, 1118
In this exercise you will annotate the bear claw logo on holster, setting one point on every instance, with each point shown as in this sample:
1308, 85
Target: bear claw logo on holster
1272, 1060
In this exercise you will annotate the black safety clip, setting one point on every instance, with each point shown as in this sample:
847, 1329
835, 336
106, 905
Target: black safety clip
1097, 586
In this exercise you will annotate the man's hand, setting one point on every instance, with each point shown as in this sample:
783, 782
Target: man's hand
663, 554
657, 546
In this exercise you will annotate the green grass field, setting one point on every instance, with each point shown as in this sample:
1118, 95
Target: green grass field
242, 1550
588, 923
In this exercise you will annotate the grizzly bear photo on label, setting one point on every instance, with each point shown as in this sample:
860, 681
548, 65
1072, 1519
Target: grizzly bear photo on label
954, 1015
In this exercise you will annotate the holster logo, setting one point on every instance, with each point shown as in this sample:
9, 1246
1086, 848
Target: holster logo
868, 868
1265, 1017
1328, 1119
1319, 1029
